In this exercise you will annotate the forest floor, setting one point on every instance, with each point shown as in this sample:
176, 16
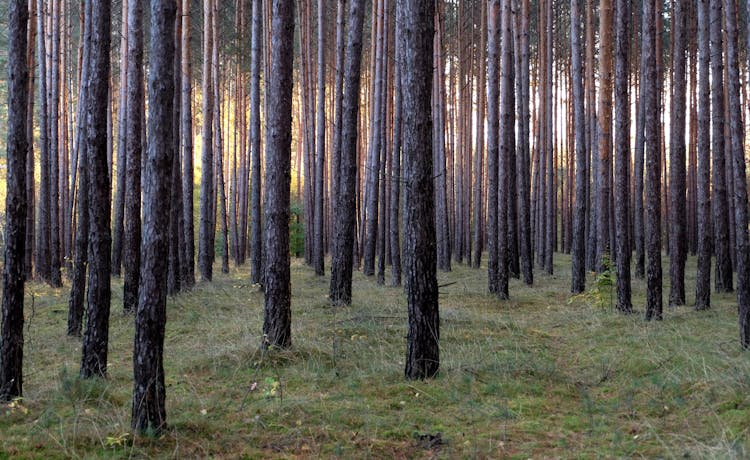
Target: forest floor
538, 376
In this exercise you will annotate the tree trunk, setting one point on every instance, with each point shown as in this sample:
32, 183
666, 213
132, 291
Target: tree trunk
396, 176
622, 145
256, 225
578, 253
14, 274
493, 124
135, 120
55, 278
723, 274
30, 178
504, 194
119, 204
344, 227
524, 176
43, 261
416, 22
277, 320
649, 86
605, 135
206, 234
740, 177
677, 208
703, 276
318, 248
149, 412
95, 340
187, 139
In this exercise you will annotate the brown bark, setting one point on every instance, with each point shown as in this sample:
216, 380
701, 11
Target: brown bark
703, 275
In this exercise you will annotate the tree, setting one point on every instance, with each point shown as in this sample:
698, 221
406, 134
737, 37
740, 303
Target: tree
318, 251
493, 123
134, 121
677, 207
723, 268
653, 166
55, 277
187, 144
340, 291
740, 176
14, 274
43, 257
96, 336
118, 226
149, 413
278, 315
578, 251
256, 225
703, 275
416, 23
506, 142
206, 234
622, 146
603, 185
396, 177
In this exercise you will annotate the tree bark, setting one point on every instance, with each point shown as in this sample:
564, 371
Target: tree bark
578, 253
187, 139
723, 273
342, 263
677, 179
14, 274
622, 145
605, 135
277, 320
256, 225
416, 22
206, 234
318, 248
740, 176
96, 336
43, 260
493, 124
649, 86
119, 204
703, 275
149, 412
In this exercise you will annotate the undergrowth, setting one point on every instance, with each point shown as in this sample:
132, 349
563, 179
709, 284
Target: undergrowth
540, 375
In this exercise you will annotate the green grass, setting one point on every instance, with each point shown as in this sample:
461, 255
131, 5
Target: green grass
536, 376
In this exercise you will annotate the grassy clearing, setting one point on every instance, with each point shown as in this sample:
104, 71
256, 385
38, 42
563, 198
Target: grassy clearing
536, 376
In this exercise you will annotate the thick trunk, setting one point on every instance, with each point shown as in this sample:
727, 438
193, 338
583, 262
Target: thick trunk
524, 176
206, 232
14, 274
493, 124
603, 249
256, 225
723, 274
135, 120
149, 412
578, 253
277, 320
703, 276
96, 335
622, 145
415, 19
677, 179
740, 177
344, 227
649, 86
320, 143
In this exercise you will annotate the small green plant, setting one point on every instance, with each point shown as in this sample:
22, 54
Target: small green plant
600, 294
117, 440
272, 388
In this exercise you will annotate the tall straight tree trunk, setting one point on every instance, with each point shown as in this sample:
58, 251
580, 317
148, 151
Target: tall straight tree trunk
43, 260
342, 263
96, 335
493, 124
338, 98
703, 275
505, 144
14, 274
578, 252
605, 134
133, 146
592, 138
320, 143
478, 192
649, 87
122, 119
677, 185
416, 22
221, 191
277, 321
80, 264
740, 177
149, 411
396, 177
187, 146
622, 146
206, 234
440, 169
30, 178
723, 273
551, 196
55, 277
256, 226
524, 154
